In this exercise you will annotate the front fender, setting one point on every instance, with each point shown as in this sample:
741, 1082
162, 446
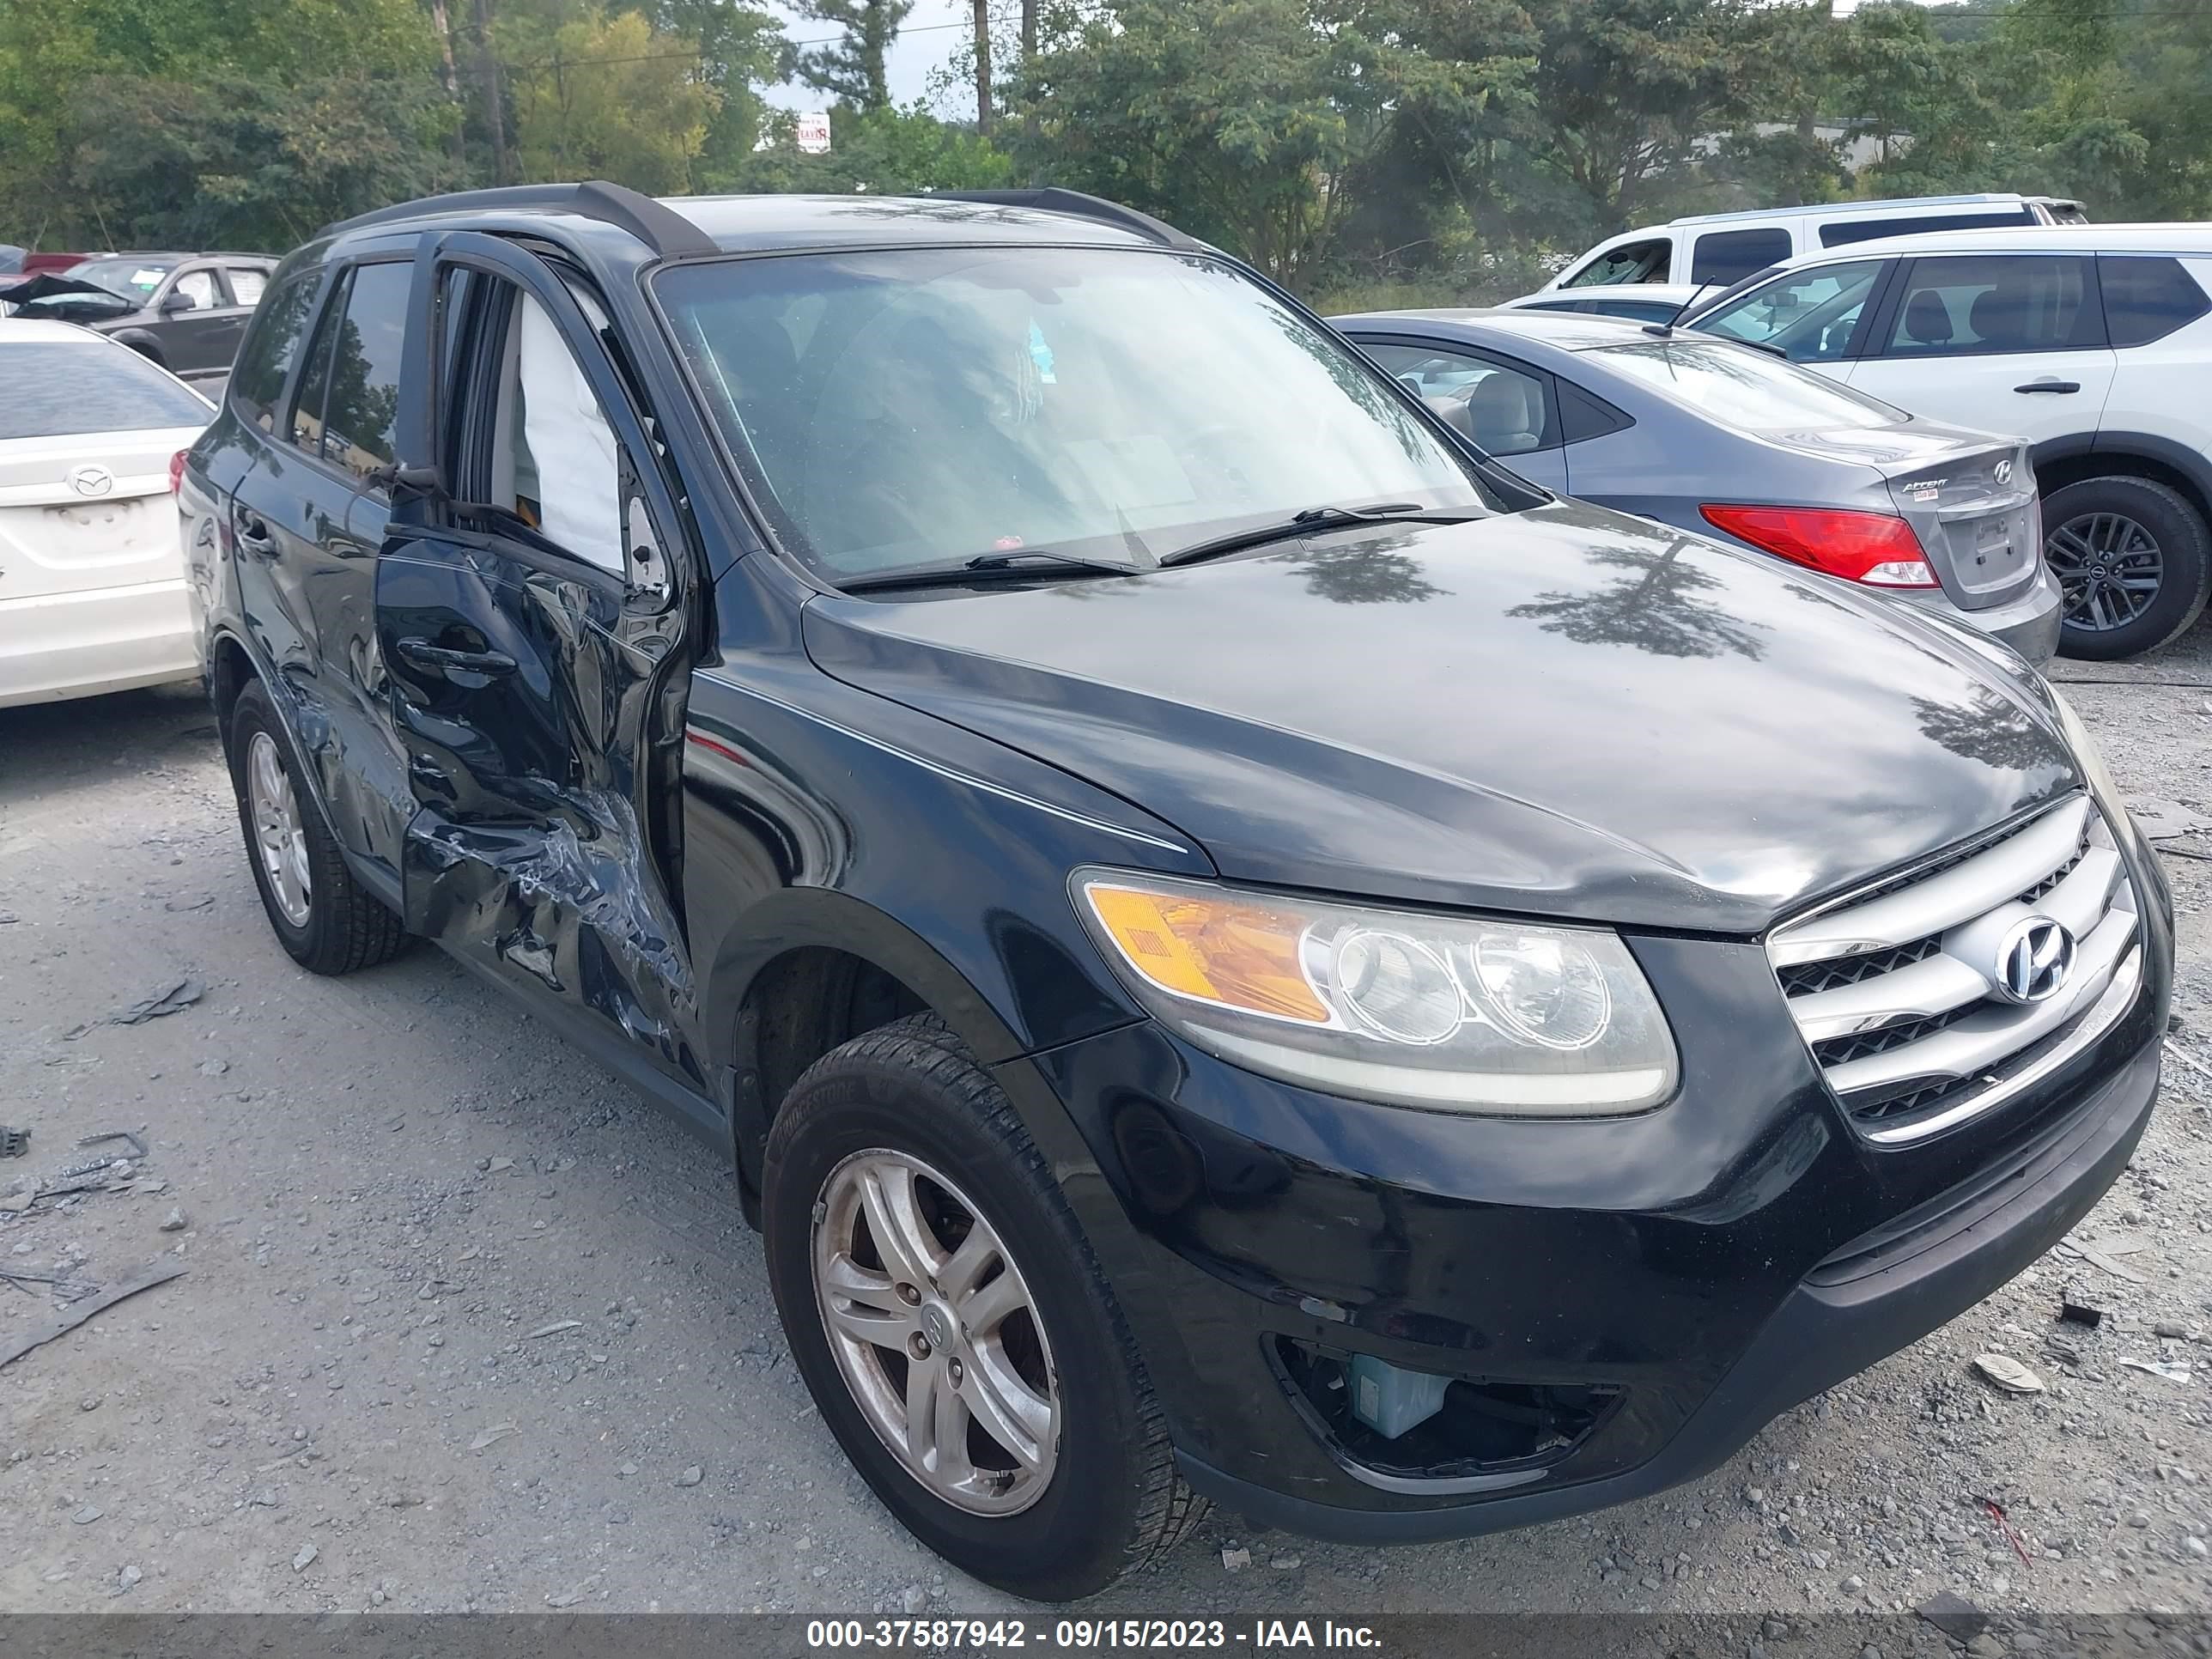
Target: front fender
140, 339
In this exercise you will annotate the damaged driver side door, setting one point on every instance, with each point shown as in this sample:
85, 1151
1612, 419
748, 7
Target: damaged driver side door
531, 617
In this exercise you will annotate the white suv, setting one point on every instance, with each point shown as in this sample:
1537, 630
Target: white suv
2092, 342
1706, 248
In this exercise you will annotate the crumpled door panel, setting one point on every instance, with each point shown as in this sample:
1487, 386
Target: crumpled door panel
528, 699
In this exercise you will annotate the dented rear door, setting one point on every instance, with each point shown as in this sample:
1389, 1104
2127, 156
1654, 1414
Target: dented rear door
538, 669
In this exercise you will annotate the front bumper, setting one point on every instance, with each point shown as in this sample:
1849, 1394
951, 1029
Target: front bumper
1708, 1265
1862, 1305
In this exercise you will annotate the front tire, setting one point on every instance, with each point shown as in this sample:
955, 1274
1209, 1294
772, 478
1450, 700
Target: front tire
2134, 563
955, 1330
325, 919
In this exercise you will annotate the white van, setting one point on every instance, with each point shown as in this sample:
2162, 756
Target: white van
1709, 248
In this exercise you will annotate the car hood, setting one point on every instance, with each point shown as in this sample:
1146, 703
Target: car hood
75, 294
1565, 712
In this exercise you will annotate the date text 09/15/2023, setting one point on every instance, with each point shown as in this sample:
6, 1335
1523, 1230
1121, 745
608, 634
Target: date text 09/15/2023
937, 1636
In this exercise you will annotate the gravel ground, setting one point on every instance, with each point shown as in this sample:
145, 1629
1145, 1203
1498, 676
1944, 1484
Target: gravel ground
467, 1325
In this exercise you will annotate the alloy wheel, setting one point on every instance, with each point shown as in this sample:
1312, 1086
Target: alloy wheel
2109, 569
935, 1333
280, 840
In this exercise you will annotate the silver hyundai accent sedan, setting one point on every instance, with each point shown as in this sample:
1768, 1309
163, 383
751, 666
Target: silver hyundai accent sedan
1727, 440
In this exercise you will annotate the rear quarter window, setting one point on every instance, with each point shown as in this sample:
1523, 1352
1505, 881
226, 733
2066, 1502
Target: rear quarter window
257, 382
2146, 298
56, 388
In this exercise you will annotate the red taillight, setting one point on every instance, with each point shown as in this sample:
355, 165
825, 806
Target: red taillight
1874, 547
176, 470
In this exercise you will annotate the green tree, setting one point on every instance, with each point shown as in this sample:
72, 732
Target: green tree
613, 99
1239, 119
852, 69
739, 50
891, 152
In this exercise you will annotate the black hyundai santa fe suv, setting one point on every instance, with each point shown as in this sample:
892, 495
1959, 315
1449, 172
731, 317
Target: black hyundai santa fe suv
1239, 950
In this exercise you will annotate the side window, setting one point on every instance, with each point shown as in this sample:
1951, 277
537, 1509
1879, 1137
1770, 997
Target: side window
363, 406
1728, 256
246, 284
2147, 298
1504, 411
1646, 261
1811, 315
555, 462
315, 375
1974, 305
257, 382
1840, 233
198, 287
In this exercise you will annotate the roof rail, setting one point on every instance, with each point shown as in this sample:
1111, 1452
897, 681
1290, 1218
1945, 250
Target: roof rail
1845, 210
1054, 199
660, 228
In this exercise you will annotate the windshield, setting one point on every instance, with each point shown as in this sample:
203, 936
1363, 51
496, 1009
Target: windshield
1744, 389
892, 410
133, 279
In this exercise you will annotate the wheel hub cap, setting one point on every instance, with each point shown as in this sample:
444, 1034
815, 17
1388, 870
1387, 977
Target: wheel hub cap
2109, 568
280, 840
934, 1331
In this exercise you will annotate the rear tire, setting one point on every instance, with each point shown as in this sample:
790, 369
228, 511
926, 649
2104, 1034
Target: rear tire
1099, 1495
325, 919
2101, 532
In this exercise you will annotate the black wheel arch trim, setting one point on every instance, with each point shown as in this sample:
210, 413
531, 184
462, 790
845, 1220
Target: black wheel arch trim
385, 887
826, 918
2192, 464
141, 340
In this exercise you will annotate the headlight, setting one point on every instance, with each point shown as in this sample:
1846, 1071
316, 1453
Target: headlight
1448, 1014
2089, 758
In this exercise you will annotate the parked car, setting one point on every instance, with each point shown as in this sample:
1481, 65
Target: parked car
1638, 303
184, 311
1725, 248
1238, 950
2094, 344
18, 266
92, 579
1717, 439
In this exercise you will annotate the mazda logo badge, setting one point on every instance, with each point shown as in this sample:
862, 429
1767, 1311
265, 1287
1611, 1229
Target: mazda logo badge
2035, 961
91, 480
2003, 473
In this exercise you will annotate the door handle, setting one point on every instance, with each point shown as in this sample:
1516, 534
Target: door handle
447, 659
254, 535
2050, 386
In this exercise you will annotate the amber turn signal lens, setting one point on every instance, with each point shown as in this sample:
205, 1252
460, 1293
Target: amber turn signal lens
1232, 951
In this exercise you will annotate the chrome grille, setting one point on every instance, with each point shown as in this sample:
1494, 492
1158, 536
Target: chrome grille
1896, 988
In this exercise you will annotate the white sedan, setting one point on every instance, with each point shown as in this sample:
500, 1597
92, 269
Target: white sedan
92, 575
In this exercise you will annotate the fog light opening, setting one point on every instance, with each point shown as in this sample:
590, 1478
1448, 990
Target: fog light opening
1424, 1426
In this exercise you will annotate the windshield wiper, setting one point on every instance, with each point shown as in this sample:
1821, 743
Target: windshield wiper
989, 567
1318, 518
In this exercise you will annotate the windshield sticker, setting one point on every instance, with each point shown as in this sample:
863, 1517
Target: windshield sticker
1041, 355
145, 279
